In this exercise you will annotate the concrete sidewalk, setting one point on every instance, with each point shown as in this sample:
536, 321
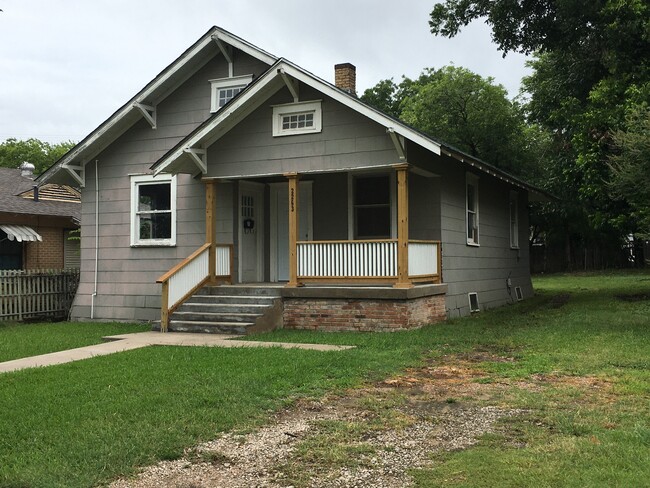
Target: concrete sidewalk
126, 342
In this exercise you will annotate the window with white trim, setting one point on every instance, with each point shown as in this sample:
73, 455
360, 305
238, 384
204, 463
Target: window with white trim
471, 206
224, 89
153, 210
514, 220
297, 118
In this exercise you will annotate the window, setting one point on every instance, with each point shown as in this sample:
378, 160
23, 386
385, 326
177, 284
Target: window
514, 220
472, 209
225, 89
153, 210
371, 206
297, 118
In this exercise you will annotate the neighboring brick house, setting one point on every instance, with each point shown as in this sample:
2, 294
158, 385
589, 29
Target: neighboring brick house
35, 223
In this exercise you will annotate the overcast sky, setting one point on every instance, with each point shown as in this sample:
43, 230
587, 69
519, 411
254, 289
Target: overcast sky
66, 65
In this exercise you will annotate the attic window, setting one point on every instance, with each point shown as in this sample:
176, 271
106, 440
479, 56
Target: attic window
297, 118
225, 89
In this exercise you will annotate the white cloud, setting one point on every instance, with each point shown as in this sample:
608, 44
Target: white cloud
66, 66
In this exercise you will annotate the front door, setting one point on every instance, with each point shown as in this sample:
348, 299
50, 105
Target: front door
280, 225
251, 232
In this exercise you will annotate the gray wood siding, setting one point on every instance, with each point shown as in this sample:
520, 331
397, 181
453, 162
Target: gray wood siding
347, 140
126, 280
485, 268
330, 206
424, 207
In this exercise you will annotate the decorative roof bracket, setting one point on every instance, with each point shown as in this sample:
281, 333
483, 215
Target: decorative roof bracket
77, 172
398, 141
149, 113
226, 50
292, 85
198, 157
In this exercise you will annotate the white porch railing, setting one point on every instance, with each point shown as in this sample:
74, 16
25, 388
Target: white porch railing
223, 260
374, 260
180, 282
423, 258
347, 259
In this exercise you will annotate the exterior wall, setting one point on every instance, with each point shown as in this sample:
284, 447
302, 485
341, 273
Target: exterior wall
485, 268
330, 206
47, 254
126, 276
362, 315
424, 207
348, 140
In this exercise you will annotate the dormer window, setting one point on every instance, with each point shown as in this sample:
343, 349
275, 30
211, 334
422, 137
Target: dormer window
297, 118
224, 89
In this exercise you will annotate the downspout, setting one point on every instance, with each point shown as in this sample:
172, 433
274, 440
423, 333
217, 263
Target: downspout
92, 298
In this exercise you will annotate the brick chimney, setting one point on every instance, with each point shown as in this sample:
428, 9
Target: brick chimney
345, 77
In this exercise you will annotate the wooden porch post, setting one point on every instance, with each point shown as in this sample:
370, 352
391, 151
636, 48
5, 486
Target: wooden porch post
210, 227
403, 280
293, 229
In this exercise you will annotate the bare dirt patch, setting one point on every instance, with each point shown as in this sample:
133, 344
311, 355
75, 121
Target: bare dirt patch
369, 437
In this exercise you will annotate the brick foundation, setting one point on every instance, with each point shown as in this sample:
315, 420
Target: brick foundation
363, 315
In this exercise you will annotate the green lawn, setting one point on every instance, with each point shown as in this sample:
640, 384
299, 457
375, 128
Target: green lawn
23, 340
84, 423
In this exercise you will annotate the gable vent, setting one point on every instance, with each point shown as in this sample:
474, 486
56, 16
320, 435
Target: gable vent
473, 302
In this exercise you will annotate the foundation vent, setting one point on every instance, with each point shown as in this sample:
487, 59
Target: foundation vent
520, 295
473, 302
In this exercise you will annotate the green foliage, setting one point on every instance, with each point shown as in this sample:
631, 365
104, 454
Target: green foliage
464, 110
42, 155
630, 166
591, 66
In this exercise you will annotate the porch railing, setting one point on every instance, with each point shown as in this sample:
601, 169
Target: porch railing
365, 261
184, 279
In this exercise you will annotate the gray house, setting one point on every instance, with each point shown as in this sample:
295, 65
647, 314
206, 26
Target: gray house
299, 206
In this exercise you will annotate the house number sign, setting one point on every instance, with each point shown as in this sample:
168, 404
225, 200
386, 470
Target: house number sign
292, 198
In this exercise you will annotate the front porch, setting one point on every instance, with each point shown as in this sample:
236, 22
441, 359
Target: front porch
340, 284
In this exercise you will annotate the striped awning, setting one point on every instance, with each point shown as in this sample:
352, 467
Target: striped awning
21, 233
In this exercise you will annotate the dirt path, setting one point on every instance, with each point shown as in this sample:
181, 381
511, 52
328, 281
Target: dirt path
371, 437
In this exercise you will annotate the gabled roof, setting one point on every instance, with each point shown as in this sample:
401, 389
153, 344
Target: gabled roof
14, 188
153, 93
179, 158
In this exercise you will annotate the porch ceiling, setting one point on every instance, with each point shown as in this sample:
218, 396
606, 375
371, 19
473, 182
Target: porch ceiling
355, 169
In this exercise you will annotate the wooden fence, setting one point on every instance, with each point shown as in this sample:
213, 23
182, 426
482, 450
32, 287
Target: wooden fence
27, 294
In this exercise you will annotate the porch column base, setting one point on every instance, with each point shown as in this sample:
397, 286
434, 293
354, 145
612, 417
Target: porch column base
403, 285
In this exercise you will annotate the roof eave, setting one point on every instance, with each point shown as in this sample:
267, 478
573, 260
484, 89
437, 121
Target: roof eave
87, 148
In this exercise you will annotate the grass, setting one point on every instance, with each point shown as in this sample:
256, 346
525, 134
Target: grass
19, 340
85, 423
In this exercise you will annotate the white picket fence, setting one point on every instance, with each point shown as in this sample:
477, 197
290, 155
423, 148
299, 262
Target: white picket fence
27, 294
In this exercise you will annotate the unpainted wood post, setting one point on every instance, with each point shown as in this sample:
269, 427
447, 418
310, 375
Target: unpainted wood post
164, 307
210, 227
403, 280
293, 229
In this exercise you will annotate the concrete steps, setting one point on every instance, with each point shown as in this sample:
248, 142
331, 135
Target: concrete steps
229, 309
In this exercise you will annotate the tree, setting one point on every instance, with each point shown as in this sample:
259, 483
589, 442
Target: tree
630, 166
462, 109
591, 65
41, 154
